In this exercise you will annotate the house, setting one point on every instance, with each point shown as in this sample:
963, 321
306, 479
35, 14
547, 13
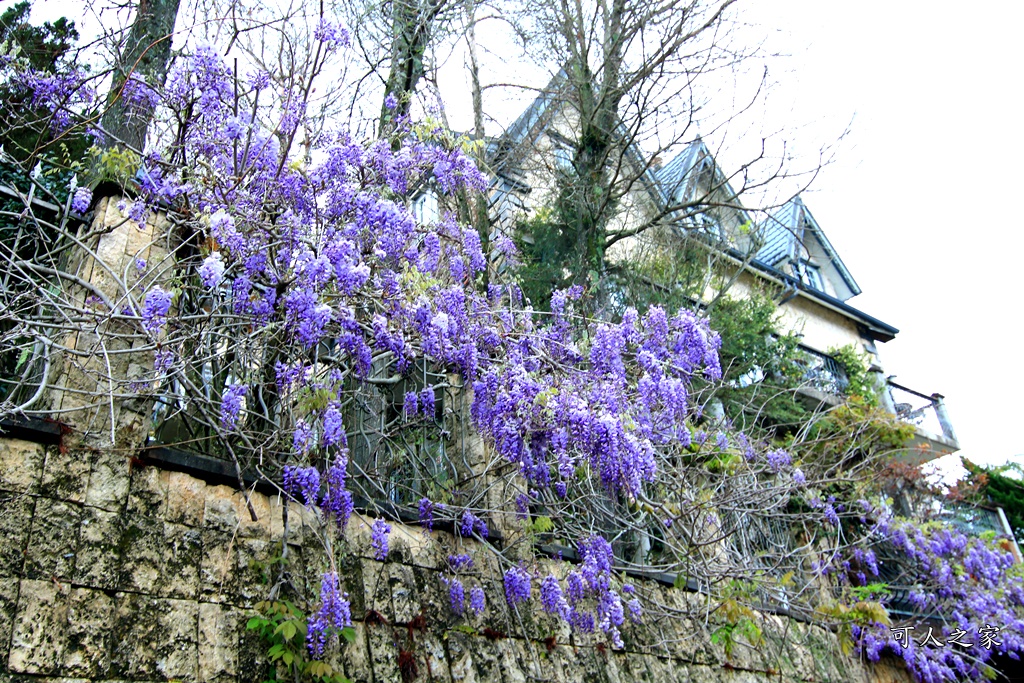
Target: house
783, 250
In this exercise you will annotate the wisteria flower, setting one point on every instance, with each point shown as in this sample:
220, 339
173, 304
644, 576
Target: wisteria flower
379, 539
81, 200
517, 586
155, 308
212, 270
333, 615
231, 405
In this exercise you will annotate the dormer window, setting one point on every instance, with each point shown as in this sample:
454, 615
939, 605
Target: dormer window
810, 275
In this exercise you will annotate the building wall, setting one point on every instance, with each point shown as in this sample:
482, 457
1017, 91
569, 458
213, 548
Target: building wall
112, 571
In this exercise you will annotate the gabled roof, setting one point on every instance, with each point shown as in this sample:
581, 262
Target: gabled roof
791, 225
673, 176
525, 129
505, 152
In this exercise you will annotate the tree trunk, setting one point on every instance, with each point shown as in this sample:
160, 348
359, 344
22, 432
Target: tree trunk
146, 55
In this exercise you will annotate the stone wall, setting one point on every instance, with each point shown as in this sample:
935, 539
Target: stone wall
115, 571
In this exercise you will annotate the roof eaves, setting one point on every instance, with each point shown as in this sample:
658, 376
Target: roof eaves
882, 331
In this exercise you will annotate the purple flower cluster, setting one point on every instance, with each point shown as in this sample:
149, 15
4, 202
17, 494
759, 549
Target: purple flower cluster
456, 596
552, 598
589, 600
334, 614
81, 200
155, 308
517, 586
331, 33
60, 93
472, 524
477, 601
304, 480
231, 405
971, 580
337, 502
379, 539
460, 562
163, 360
426, 513
212, 270
599, 413
777, 459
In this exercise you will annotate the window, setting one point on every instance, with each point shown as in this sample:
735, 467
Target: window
563, 158
810, 275
425, 208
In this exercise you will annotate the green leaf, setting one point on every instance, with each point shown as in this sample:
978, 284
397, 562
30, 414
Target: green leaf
286, 629
541, 525
349, 634
22, 357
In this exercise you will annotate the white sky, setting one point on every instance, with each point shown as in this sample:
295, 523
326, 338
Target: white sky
918, 201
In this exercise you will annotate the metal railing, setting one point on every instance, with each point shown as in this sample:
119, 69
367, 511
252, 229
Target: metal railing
927, 413
823, 372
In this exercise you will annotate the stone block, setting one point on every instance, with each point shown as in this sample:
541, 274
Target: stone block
233, 570
383, 653
65, 474
225, 510
15, 523
147, 492
614, 669
109, 476
487, 660
155, 638
510, 656
358, 534
8, 608
377, 589
216, 568
350, 575
534, 661
220, 629
98, 559
565, 659
434, 657
297, 530
416, 547
160, 558
21, 465
53, 540
589, 665
252, 663
39, 633
186, 499
463, 664
89, 634
405, 601
355, 656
